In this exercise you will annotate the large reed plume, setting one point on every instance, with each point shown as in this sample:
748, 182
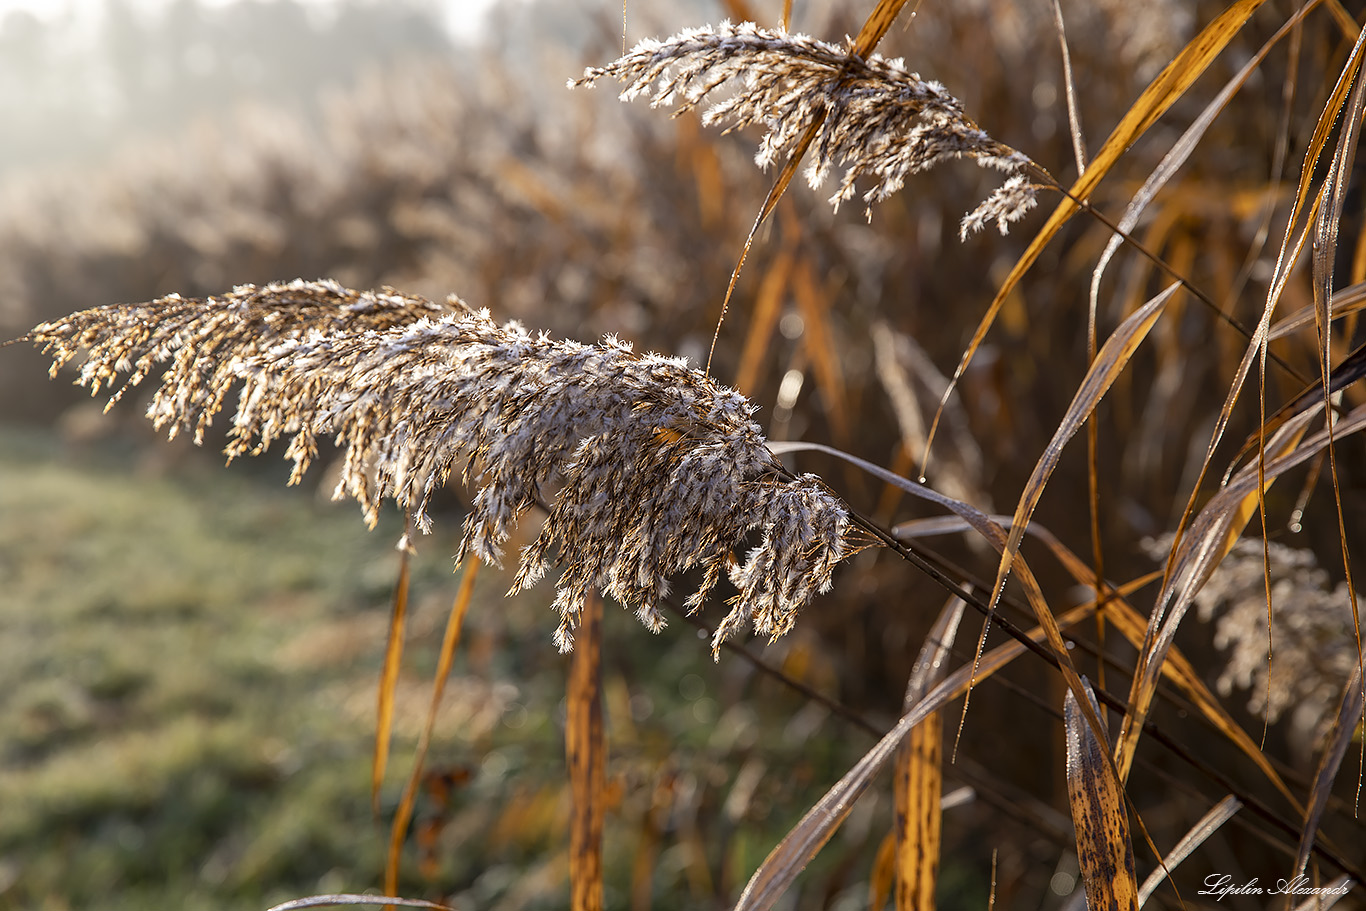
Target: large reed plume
653, 469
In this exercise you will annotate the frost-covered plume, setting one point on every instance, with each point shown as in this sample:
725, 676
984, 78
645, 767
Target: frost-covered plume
648, 467
876, 119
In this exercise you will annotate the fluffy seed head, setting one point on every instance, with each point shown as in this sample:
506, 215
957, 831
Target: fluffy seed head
873, 117
649, 468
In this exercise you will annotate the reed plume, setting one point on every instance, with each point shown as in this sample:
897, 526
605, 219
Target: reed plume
650, 468
873, 117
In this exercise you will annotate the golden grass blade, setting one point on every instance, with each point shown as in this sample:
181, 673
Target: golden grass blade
876, 25
388, 677
815, 828
404, 814
1133, 627
1180, 152
1219, 814
1325, 253
1104, 848
1211, 535
1335, 747
918, 776
1161, 94
768, 306
883, 875
1113, 357
815, 303
775, 193
585, 752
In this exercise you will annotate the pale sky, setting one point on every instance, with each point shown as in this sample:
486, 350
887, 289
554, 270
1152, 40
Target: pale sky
463, 17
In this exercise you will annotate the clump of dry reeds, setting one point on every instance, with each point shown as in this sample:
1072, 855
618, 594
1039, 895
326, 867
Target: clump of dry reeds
652, 468
872, 116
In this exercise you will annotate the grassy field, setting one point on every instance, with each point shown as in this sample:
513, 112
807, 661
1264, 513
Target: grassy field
190, 663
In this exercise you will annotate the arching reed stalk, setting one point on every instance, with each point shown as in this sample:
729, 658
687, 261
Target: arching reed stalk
651, 468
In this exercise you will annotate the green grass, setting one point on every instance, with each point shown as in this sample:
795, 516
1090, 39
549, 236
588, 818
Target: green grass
189, 665
190, 658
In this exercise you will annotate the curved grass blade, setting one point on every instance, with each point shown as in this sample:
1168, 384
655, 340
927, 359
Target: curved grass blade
918, 778
1219, 814
585, 753
1133, 627
1211, 535
1104, 848
1113, 357
404, 814
1335, 748
1161, 94
388, 676
350, 898
816, 827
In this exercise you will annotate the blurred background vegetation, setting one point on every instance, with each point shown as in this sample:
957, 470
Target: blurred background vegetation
190, 654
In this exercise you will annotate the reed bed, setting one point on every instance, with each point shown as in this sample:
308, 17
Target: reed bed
1168, 356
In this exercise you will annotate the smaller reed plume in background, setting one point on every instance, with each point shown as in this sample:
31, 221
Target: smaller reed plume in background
1313, 649
872, 117
649, 467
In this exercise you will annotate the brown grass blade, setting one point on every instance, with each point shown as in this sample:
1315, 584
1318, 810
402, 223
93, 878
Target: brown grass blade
814, 303
1219, 814
1335, 748
768, 306
585, 752
388, 677
1161, 94
1104, 848
404, 814
918, 778
816, 827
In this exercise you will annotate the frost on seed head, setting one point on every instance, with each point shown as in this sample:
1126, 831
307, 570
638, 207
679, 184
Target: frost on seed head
875, 119
648, 468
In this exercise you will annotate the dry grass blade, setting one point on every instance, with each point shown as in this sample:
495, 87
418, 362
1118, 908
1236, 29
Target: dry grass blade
1113, 357
814, 304
816, 827
768, 308
1104, 848
918, 778
1160, 95
1181, 151
349, 898
445, 661
585, 750
1219, 814
1345, 727
388, 677
1212, 534
876, 25
658, 468
1132, 625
